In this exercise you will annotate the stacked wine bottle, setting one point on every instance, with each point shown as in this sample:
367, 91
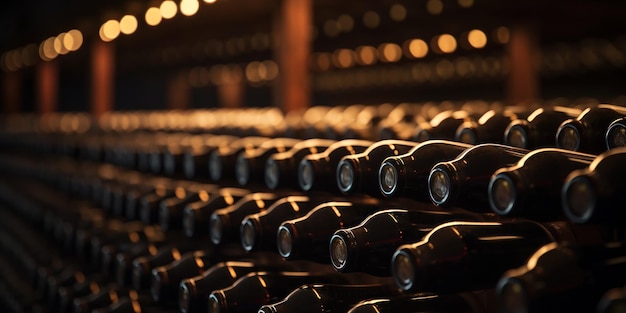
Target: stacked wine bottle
437, 207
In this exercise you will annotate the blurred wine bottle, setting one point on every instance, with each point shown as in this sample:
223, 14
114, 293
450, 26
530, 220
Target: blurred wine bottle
562, 277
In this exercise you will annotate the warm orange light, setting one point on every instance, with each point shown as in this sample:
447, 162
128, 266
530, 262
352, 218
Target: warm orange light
46, 50
446, 43
168, 9
73, 40
343, 58
434, 7
153, 16
252, 72
389, 52
128, 24
366, 55
477, 38
271, 69
110, 30
59, 47
189, 7
371, 19
397, 12
210, 1
418, 48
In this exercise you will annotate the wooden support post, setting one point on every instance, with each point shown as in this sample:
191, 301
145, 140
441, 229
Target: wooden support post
231, 89
292, 46
47, 87
523, 82
102, 77
178, 92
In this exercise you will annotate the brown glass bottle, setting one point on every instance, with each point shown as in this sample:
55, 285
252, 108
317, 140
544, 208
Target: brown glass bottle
222, 161
281, 168
323, 298
615, 135
355, 173
406, 175
532, 187
562, 277
489, 128
539, 129
142, 266
224, 223
195, 161
463, 181
317, 171
443, 126
258, 231
307, 237
368, 246
460, 302
193, 292
250, 165
165, 279
252, 291
171, 209
196, 215
586, 133
454, 256
590, 194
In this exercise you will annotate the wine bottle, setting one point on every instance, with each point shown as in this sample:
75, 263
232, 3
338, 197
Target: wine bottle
524, 189
562, 276
196, 215
368, 246
252, 291
539, 129
317, 171
171, 209
249, 166
196, 154
280, 168
323, 298
463, 181
142, 266
443, 126
586, 133
452, 257
222, 161
258, 231
406, 175
615, 135
165, 279
465, 302
355, 172
224, 223
489, 128
307, 237
193, 292
590, 194
106, 296
613, 300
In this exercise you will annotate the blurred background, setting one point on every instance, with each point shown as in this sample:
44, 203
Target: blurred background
98, 56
